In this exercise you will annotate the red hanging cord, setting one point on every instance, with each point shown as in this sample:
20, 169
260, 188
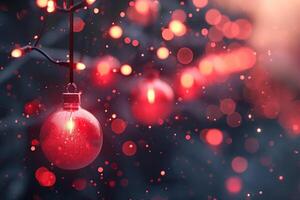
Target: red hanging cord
71, 42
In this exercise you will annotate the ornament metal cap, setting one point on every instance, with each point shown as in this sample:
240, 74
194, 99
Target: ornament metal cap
71, 98
71, 101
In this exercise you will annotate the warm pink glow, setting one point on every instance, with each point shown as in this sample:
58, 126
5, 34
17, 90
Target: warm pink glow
80, 66
50, 6
185, 55
90, 2
162, 53
115, 32
239, 164
189, 83
177, 28
200, 3
143, 12
213, 17
129, 148
233, 185
103, 73
152, 101
126, 70
45, 177
151, 95
214, 137
17, 53
42, 3
167, 34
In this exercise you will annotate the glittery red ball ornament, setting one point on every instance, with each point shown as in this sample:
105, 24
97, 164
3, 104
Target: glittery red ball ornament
71, 138
152, 101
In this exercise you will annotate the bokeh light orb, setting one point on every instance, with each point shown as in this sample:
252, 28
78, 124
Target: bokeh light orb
118, 126
200, 3
16, 53
214, 137
42, 3
79, 24
162, 53
152, 101
185, 55
234, 184
45, 177
239, 164
189, 83
126, 70
116, 32
103, 72
177, 27
143, 12
129, 148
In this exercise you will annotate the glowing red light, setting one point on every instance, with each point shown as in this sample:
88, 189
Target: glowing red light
51, 6
162, 53
167, 34
177, 28
214, 137
152, 101
126, 70
17, 53
179, 15
200, 3
190, 83
227, 106
233, 185
213, 17
45, 177
116, 32
185, 55
79, 24
143, 12
42, 3
129, 148
118, 126
80, 66
234, 119
104, 70
90, 2
239, 164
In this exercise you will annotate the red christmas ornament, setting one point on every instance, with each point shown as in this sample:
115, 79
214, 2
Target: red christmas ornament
45, 177
71, 138
189, 83
152, 101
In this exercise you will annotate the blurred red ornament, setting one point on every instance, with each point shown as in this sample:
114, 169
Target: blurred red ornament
143, 12
129, 148
71, 138
152, 101
189, 83
233, 184
104, 70
78, 25
45, 177
214, 137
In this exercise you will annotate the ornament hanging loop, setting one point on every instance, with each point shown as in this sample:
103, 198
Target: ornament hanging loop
71, 88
